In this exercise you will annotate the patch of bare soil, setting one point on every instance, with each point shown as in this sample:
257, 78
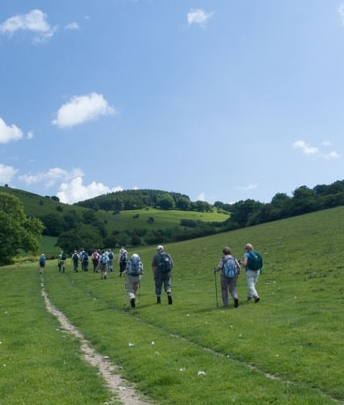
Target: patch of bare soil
116, 384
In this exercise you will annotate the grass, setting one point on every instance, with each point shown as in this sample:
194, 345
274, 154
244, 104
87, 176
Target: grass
285, 350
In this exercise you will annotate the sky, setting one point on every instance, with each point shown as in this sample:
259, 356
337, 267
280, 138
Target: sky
220, 100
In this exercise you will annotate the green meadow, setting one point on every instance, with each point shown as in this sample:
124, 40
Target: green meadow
286, 349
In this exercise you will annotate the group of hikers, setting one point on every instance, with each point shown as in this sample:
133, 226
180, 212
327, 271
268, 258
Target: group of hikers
162, 265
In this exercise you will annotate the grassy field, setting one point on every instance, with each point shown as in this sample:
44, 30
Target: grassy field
287, 349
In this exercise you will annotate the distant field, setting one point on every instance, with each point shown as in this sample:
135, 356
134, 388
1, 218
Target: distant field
126, 220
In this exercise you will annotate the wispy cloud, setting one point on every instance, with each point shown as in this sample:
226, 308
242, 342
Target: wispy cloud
6, 173
249, 187
35, 21
81, 109
9, 132
341, 12
51, 177
198, 16
315, 151
72, 26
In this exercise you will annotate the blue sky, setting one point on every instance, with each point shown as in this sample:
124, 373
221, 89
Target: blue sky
221, 100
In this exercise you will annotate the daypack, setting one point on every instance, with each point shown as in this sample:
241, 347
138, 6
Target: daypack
230, 268
63, 256
103, 259
110, 256
95, 256
85, 257
123, 257
165, 264
134, 266
254, 261
42, 261
75, 257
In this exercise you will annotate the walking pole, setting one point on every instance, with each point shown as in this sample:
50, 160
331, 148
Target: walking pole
217, 299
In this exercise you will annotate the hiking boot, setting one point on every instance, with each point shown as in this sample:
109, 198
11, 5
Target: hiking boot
158, 300
236, 303
132, 302
169, 299
256, 299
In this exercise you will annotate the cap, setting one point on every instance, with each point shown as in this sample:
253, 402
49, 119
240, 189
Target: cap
160, 247
135, 255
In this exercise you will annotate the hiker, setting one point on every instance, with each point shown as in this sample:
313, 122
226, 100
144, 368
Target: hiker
253, 265
134, 271
111, 258
230, 270
162, 265
122, 260
95, 261
41, 263
75, 260
62, 262
103, 261
84, 260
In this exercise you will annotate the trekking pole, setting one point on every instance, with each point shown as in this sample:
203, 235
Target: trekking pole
217, 299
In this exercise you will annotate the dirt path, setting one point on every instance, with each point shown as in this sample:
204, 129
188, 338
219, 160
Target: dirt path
116, 384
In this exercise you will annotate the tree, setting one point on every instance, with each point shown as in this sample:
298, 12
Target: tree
16, 231
86, 236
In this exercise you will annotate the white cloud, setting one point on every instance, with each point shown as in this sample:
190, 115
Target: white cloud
75, 191
201, 197
9, 133
34, 21
314, 151
6, 173
306, 149
81, 109
72, 26
51, 177
198, 16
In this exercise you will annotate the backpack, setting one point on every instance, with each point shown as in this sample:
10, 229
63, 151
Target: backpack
110, 256
95, 256
123, 257
230, 268
134, 266
165, 264
75, 257
103, 259
85, 257
63, 256
254, 261
42, 261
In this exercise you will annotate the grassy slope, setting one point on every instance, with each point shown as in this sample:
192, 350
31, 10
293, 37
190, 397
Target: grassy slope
127, 220
294, 333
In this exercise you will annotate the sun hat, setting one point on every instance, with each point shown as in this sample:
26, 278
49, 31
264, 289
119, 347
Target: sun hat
160, 247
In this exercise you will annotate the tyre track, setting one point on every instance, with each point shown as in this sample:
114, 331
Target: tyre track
116, 384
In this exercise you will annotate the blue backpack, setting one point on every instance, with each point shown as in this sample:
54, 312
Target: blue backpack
103, 258
230, 268
134, 266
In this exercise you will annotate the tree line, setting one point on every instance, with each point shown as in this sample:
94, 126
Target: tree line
74, 230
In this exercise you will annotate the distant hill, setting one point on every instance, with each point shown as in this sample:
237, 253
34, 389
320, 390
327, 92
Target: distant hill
138, 222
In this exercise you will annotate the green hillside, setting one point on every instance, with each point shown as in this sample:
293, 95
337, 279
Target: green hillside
285, 350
